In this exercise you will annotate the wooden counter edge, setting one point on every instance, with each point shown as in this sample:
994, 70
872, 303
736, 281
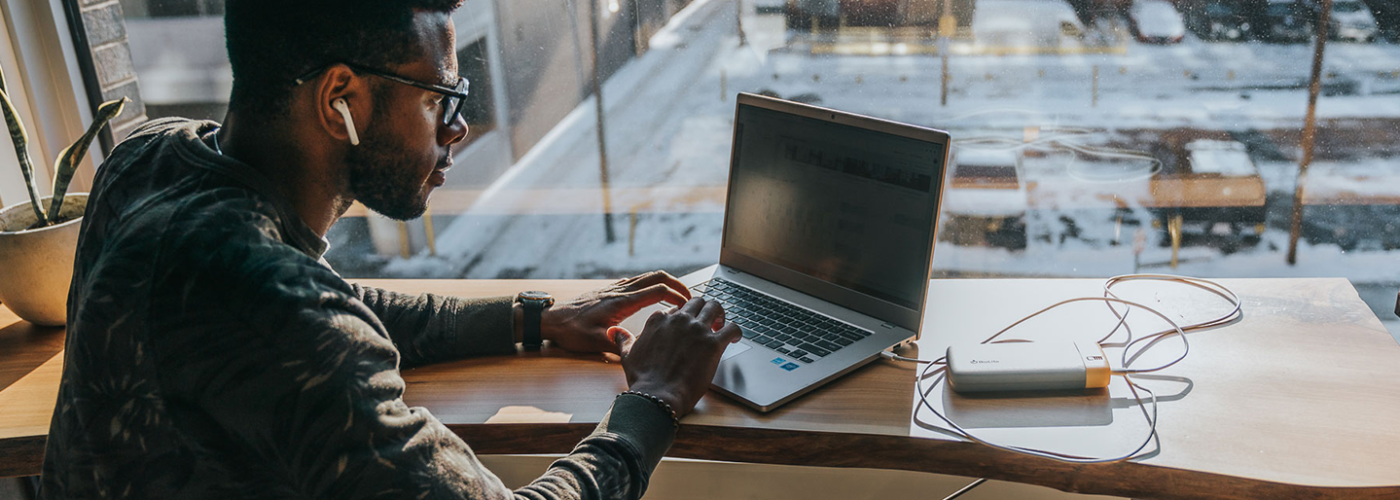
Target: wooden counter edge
822, 449
24, 456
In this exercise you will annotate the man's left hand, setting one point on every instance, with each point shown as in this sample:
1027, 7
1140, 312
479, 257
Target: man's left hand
582, 324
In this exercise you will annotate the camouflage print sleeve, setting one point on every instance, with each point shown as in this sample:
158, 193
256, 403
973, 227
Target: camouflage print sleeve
280, 374
430, 328
616, 461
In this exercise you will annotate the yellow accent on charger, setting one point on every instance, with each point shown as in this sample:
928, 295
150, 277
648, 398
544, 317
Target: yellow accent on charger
1096, 369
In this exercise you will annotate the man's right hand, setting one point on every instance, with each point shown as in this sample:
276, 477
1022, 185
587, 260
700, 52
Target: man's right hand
675, 356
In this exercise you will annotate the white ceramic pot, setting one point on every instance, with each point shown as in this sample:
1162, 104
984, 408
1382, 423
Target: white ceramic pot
36, 266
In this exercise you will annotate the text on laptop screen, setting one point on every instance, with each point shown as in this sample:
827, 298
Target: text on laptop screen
847, 205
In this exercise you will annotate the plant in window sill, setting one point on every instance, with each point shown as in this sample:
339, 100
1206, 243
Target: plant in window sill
37, 245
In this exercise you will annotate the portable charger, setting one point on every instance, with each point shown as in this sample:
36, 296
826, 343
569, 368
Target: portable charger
1027, 366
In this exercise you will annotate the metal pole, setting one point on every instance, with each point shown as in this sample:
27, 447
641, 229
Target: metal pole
946, 25
1174, 230
1309, 131
743, 40
943, 91
637, 39
598, 107
428, 231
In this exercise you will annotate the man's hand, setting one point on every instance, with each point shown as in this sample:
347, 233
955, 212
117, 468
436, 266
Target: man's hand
675, 356
581, 325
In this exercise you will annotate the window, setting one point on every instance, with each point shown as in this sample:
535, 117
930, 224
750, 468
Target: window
48, 92
480, 109
177, 49
1092, 137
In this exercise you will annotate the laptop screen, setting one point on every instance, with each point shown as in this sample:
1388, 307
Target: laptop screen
847, 205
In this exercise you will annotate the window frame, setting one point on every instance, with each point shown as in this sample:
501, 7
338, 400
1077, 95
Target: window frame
42, 71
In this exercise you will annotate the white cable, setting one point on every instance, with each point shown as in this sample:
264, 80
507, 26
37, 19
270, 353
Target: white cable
938, 368
1207, 285
890, 355
966, 489
1070, 139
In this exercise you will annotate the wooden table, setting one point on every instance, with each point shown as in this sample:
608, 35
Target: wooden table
1296, 400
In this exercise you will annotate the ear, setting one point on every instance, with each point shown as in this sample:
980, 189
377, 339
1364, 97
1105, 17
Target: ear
339, 82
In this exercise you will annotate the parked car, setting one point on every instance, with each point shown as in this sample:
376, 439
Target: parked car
1351, 20
986, 199
1026, 24
1217, 20
1155, 21
808, 15
1216, 195
1290, 21
1220, 158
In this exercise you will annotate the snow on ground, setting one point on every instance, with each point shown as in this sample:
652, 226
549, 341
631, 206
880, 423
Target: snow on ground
669, 126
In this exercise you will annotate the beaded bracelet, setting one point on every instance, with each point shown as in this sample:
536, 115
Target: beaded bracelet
675, 422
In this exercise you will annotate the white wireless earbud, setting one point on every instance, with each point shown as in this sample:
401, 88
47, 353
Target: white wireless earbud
344, 109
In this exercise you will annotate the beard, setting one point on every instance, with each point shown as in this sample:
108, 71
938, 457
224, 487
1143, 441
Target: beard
382, 177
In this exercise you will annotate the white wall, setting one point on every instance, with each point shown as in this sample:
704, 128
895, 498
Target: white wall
37, 53
12, 188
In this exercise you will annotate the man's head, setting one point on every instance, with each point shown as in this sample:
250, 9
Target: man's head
361, 51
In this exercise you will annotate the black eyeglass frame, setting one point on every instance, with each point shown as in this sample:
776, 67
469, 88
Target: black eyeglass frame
459, 93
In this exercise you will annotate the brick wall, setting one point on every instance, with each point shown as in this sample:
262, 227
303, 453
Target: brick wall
105, 33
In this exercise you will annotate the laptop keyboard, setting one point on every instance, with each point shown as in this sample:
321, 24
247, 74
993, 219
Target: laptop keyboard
777, 324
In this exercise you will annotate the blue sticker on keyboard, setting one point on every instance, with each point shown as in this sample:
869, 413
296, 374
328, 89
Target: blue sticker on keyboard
790, 366
779, 361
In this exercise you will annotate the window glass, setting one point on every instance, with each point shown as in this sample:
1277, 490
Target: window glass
1091, 137
479, 110
177, 48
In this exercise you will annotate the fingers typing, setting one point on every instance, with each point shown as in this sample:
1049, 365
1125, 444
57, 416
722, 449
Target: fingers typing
660, 278
731, 333
693, 307
712, 314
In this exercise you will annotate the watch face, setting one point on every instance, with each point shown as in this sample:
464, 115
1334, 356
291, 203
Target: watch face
538, 296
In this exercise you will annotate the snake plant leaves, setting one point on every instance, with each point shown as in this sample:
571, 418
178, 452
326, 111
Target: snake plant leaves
21, 142
72, 156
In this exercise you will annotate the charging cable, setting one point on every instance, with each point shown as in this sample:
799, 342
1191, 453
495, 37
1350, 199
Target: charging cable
966, 489
936, 370
1073, 142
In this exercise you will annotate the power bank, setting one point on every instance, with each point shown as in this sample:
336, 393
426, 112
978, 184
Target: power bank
1027, 366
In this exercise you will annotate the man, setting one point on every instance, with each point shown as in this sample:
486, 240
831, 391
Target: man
213, 354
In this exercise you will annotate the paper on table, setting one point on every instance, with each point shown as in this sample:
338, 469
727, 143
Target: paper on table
528, 415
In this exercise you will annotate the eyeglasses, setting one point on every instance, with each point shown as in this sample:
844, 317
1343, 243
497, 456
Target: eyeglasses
453, 97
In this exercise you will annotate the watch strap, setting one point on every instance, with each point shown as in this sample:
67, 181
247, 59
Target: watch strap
531, 329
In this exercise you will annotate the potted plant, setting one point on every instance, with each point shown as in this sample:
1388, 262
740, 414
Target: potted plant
37, 245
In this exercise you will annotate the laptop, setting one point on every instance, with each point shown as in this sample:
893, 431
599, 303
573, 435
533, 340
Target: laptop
829, 228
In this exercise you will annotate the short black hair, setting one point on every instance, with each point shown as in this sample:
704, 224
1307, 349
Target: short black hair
271, 42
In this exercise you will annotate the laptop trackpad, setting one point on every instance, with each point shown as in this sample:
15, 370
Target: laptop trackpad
735, 350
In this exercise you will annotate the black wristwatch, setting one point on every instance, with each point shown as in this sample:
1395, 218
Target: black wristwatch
534, 304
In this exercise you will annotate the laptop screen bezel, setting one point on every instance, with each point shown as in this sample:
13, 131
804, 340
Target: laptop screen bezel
884, 310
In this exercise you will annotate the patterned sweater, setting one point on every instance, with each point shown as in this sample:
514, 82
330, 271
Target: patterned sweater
211, 353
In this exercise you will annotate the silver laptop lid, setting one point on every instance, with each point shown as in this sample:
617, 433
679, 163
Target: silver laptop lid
839, 206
